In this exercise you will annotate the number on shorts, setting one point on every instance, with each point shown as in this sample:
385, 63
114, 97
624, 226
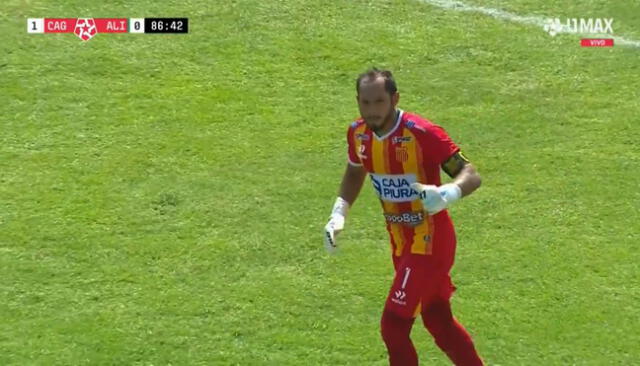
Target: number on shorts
407, 271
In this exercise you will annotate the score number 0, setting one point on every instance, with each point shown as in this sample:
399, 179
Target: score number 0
136, 25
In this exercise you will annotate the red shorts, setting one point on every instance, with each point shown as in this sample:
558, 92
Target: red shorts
416, 283
421, 279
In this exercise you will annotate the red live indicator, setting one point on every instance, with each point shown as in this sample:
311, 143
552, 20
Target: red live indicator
596, 42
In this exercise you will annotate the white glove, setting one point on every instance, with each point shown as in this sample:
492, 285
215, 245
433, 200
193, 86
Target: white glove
335, 224
436, 199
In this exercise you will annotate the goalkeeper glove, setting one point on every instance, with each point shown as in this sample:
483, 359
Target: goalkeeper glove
436, 199
335, 224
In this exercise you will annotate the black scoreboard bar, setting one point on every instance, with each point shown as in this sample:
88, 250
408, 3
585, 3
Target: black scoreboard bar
166, 25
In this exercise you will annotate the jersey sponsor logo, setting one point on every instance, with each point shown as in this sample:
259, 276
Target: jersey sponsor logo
400, 139
362, 136
394, 187
406, 218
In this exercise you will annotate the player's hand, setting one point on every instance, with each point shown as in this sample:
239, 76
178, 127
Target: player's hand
436, 199
335, 224
431, 199
331, 230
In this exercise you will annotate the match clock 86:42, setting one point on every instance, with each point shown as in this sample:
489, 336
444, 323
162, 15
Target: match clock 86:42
166, 25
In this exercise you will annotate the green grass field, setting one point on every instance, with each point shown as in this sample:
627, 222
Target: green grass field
162, 196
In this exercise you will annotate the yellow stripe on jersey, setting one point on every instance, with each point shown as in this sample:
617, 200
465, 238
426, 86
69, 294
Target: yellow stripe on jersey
380, 156
421, 233
377, 154
396, 229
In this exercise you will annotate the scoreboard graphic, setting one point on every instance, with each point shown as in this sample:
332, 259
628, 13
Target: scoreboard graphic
87, 28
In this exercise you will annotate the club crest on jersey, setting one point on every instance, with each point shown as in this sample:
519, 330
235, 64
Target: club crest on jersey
362, 136
400, 139
402, 155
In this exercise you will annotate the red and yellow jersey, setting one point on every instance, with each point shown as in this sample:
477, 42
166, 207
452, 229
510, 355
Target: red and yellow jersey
412, 151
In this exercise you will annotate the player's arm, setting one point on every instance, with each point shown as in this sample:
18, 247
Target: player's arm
465, 180
352, 181
464, 174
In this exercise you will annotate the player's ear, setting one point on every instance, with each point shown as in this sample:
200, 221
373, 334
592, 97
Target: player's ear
395, 98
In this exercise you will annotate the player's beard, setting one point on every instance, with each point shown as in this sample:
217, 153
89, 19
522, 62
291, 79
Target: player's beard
387, 121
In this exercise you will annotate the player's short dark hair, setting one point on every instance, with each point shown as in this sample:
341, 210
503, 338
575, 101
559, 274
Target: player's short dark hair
372, 74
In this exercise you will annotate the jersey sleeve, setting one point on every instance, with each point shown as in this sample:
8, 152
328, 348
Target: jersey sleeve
352, 156
438, 146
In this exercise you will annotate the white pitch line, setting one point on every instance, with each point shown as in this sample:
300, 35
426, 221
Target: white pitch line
529, 19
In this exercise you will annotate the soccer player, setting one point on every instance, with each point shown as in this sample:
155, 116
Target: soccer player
403, 153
